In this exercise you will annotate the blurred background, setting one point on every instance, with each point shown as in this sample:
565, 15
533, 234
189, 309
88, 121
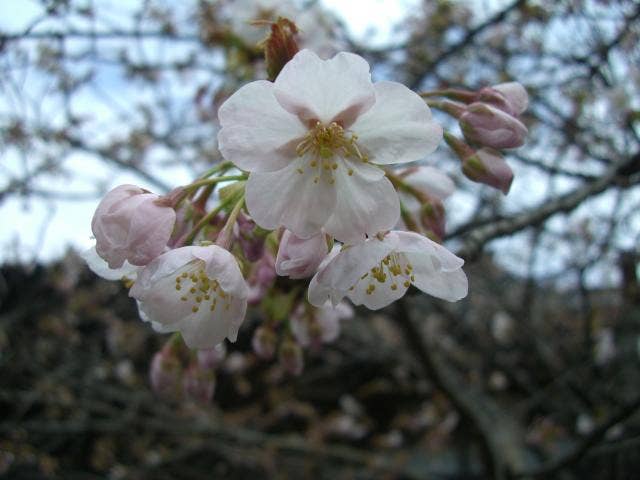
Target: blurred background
535, 375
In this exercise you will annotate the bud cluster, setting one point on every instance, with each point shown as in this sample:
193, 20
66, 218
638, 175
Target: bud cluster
308, 208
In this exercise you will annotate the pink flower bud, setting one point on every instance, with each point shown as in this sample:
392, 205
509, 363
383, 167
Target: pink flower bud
261, 279
210, 358
130, 225
166, 373
489, 126
516, 96
251, 243
510, 97
432, 216
487, 166
264, 342
199, 384
291, 357
299, 258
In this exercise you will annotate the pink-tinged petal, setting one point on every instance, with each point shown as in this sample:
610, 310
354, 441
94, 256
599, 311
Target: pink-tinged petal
257, 134
290, 199
98, 266
338, 89
149, 231
362, 208
398, 128
129, 225
515, 94
432, 181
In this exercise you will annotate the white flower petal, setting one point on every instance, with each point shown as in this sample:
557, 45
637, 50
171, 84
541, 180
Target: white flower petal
411, 242
338, 89
257, 134
398, 128
430, 278
205, 329
223, 266
345, 269
380, 297
290, 199
98, 266
366, 171
362, 208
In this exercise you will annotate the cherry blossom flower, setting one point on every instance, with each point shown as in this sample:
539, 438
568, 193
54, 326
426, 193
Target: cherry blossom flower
197, 291
314, 140
130, 225
379, 271
299, 258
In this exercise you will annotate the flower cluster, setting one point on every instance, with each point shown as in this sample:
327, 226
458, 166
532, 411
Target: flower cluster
312, 190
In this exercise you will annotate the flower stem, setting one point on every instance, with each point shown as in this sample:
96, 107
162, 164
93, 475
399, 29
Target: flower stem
224, 237
188, 239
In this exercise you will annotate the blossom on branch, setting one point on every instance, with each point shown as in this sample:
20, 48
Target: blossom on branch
314, 140
197, 291
379, 271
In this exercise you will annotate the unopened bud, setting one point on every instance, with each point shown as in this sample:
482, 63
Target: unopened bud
251, 241
199, 384
487, 166
432, 217
280, 46
166, 373
261, 279
264, 342
299, 258
491, 127
210, 358
291, 357
515, 94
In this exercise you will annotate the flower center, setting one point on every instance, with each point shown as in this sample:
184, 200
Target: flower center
327, 145
200, 290
393, 268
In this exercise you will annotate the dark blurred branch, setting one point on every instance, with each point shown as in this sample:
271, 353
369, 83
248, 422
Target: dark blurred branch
476, 240
462, 44
499, 434
555, 465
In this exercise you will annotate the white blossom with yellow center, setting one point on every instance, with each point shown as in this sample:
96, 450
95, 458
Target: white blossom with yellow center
314, 141
197, 291
379, 271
